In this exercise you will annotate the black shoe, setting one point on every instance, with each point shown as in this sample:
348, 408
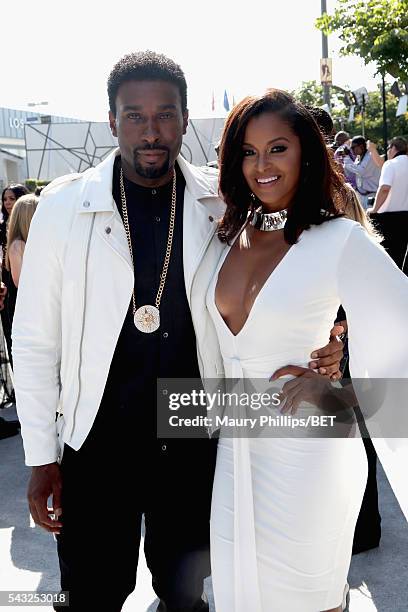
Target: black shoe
8, 428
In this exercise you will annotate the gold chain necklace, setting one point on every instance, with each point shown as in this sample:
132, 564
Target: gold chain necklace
147, 318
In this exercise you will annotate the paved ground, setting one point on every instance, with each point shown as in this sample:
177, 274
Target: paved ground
378, 579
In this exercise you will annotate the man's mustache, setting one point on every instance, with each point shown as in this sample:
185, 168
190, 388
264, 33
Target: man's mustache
152, 147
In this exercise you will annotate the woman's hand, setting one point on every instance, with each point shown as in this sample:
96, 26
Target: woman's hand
307, 386
325, 360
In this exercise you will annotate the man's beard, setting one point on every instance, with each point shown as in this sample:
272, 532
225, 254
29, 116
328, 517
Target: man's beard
151, 172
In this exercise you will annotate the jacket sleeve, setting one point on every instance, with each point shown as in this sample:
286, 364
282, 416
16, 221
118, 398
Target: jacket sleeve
37, 337
374, 293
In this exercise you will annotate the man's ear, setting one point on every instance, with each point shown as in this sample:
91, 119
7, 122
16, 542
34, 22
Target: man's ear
185, 121
112, 123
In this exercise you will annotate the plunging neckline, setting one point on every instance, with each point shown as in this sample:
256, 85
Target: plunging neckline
258, 295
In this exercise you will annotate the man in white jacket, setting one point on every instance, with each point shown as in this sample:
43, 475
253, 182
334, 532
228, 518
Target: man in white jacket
112, 297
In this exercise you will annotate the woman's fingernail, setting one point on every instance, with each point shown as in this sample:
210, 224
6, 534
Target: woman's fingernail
314, 355
313, 364
322, 370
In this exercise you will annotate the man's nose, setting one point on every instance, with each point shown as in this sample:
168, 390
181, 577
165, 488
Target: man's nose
151, 132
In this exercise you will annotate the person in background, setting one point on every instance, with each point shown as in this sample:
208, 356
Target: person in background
390, 210
38, 190
340, 139
9, 197
341, 147
364, 168
18, 228
324, 121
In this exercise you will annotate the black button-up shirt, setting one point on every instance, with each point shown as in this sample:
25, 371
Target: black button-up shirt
170, 352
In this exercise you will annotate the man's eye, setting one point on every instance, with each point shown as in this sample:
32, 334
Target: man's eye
134, 116
166, 115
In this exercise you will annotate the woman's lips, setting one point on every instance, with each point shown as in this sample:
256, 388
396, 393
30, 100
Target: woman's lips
267, 182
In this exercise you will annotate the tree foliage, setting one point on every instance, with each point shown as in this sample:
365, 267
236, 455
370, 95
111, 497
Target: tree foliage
376, 30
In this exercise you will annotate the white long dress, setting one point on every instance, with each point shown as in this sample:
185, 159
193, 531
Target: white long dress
284, 510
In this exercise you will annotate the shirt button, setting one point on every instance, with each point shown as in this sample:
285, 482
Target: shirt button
108, 230
157, 219
154, 192
165, 335
211, 218
164, 447
86, 204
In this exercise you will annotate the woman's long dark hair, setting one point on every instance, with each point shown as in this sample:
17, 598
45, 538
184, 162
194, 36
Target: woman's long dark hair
18, 190
321, 191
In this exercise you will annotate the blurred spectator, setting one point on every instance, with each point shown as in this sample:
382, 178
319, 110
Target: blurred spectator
19, 225
390, 210
340, 139
10, 195
364, 168
38, 190
323, 120
17, 232
341, 147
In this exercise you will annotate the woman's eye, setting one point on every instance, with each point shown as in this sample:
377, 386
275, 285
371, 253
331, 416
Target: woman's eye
277, 149
247, 152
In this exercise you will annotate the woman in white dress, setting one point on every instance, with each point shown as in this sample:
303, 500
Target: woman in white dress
284, 509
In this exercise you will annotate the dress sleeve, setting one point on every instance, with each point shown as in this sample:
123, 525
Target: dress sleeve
374, 293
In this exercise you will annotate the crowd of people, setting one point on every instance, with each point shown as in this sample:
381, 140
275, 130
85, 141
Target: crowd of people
381, 186
147, 267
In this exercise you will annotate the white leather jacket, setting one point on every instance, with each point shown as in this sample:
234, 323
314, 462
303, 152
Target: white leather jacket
74, 292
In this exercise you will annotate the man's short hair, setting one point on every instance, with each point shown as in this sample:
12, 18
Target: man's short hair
146, 66
400, 144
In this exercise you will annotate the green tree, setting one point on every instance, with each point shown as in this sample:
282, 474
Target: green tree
311, 92
376, 30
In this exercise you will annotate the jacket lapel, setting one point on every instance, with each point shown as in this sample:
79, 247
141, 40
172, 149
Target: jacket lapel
202, 210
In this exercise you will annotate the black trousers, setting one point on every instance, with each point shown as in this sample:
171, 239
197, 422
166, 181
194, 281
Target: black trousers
108, 484
394, 228
367, 534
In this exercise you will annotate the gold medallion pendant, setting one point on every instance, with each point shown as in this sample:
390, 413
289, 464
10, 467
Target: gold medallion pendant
147, 319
